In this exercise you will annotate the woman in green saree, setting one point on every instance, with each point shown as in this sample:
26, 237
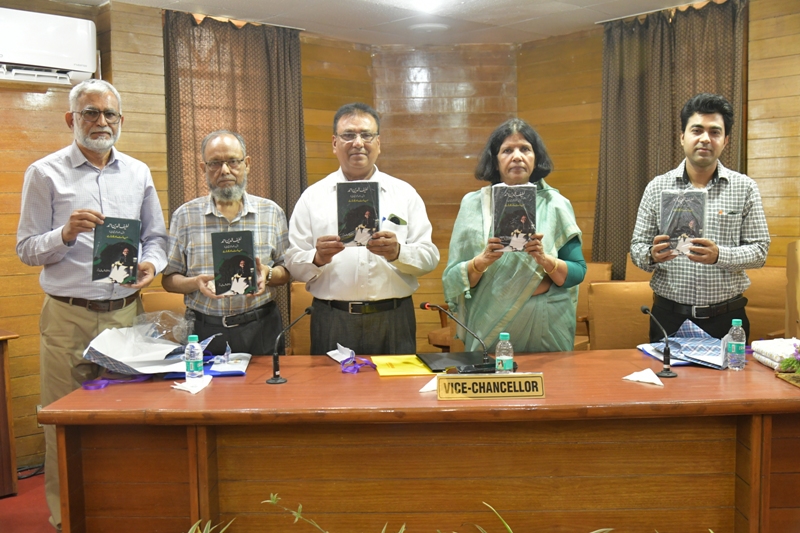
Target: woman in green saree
530, 294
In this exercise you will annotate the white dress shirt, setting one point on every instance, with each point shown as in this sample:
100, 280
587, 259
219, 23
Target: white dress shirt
356, 274
64, 181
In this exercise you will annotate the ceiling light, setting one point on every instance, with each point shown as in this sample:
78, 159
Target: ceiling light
428, 27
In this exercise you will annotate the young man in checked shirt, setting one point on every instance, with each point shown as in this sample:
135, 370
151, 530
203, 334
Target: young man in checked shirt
706, 285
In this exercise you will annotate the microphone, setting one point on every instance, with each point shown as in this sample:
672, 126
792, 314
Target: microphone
428, 305
276, 378
665, 372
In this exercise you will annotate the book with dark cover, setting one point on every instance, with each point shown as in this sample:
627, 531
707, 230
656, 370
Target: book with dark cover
234, 263
513, 215
116, 251
357, 205
683, 217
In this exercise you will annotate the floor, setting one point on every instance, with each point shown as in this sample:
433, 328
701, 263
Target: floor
27, 511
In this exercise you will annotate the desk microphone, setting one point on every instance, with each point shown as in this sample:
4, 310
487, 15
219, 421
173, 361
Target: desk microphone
665, 372
428, 305
276, 378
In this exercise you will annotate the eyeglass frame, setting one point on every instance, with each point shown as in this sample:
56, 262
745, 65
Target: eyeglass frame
83, 113
210, 165
359, 134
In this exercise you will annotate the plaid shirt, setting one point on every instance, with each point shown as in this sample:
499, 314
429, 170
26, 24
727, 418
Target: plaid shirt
734, 221
190, 254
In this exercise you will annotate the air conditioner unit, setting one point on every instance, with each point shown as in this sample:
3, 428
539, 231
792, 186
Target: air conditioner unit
51, 49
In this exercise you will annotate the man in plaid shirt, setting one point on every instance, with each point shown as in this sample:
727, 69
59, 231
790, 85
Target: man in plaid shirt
706, 285
250, 323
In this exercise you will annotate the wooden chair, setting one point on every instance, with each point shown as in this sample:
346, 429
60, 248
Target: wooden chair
634, 273
766, 302
444, 337
300, 334
594, 272
615, 317
160, 300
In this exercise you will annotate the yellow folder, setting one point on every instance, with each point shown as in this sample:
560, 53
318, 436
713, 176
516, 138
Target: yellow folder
400, 365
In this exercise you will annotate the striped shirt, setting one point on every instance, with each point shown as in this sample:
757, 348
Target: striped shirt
735, 222
64, 181
190, 254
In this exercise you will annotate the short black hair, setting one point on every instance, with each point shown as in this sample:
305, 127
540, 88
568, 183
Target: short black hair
356, 108
488, 169
708, 104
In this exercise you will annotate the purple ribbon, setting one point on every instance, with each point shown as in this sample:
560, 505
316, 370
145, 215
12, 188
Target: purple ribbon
96, 384
351, 365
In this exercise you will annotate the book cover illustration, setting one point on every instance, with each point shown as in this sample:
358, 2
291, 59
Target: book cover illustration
116, 251
357, 205
234, 263
683, 216
514, 215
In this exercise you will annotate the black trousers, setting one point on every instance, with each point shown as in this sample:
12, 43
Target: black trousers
388, 332
256, 337
717, 326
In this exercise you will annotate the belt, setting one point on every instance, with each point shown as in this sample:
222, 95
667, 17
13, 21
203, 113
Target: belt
99, 306
365, 308
701, 311
231, 321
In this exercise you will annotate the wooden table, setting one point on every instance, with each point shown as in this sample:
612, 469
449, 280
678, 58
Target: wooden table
710, 449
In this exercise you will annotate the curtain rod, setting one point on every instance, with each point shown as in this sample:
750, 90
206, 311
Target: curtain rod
657, 10
234, 21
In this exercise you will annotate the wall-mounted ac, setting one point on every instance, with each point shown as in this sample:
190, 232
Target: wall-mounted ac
40, 48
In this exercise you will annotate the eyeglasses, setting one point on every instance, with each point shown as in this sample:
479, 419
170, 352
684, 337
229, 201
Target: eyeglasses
93, 115
350, 136
233, 164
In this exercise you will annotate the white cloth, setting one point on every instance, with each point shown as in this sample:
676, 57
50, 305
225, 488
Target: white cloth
194, 386
645, 376
356, 273
774, 350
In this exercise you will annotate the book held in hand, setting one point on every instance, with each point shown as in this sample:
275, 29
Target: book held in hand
234, 263
513, 215
683, 217
357, 206
116, 251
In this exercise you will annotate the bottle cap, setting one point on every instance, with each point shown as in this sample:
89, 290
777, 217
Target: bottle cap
192, 338
505, 336
736, 322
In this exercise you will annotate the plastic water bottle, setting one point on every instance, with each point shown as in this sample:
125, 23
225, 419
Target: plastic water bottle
734, 351
194, 360
504, 355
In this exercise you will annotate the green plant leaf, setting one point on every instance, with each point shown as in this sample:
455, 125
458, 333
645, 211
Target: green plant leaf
498, 516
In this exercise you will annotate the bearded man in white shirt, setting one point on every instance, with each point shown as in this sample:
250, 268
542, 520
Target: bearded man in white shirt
362, 294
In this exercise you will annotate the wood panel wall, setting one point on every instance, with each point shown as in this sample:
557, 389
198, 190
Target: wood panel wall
773, 128
438, 106
560, 93
334, 73
32, 126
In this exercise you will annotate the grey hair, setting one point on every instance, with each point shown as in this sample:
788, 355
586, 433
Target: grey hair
219, 133
92, 86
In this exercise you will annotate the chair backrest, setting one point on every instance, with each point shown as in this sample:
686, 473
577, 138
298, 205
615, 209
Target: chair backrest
300, 334
615, 316
766, 302
634, 273
157, 300
792, 328
594, 272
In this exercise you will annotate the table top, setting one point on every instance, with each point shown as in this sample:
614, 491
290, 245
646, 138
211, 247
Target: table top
578, 385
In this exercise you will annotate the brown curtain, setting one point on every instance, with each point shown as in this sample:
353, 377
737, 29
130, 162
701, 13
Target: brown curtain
650, 69
247, 80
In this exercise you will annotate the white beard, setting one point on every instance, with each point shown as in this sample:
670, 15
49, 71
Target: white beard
100, 145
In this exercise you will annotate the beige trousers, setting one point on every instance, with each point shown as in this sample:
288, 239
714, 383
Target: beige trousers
66, 331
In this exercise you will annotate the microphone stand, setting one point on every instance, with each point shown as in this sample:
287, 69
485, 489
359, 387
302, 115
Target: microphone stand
666, 371
276, 378
428, 305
